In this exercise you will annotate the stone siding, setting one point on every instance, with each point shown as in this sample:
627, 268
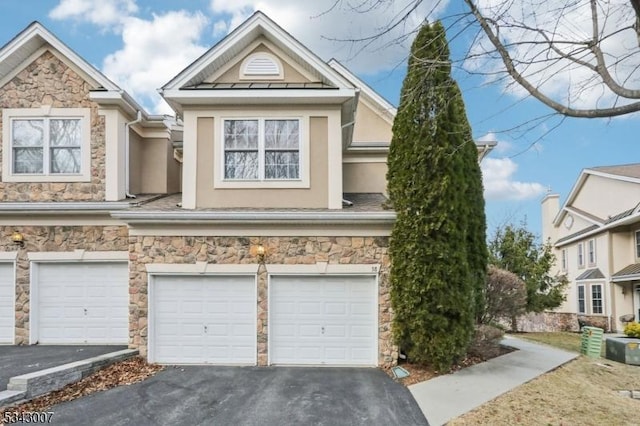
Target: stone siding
559, 321
53, 238
49, 81
145, 250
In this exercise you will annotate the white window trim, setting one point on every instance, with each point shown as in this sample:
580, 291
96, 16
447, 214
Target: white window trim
303, 155
261, 76
46, 111
586, 308
595, 255
601, 298
581, 259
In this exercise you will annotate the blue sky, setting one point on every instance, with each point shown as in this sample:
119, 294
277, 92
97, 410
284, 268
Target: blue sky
141, 44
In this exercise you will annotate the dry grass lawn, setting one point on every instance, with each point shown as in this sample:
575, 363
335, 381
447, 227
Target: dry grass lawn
583, 392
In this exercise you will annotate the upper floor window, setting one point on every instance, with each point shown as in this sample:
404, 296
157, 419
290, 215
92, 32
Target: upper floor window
638, 244
564, 259
580, 255
46, 145
592, 252
262, 149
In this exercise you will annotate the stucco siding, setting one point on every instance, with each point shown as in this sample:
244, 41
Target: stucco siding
365, 177
369, 126
605, 197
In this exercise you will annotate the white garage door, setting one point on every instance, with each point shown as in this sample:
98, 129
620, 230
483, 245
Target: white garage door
82, 303
204, 320
322, 320
7, 296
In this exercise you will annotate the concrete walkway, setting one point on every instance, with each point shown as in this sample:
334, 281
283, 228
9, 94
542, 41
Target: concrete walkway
447, 397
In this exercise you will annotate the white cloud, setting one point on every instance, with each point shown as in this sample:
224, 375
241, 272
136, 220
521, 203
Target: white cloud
563, 80
497, 174
320, 24
104, 13
155, 51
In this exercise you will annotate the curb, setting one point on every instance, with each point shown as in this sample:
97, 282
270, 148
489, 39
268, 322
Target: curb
28, 386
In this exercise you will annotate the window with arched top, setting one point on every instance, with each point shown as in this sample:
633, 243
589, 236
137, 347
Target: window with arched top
261, 66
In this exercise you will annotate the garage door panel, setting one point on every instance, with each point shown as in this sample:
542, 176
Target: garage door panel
83, 303
323, 320
221, 308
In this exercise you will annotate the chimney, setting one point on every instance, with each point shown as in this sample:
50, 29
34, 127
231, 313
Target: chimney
550, 208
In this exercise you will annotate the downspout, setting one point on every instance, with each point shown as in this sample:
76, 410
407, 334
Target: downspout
126, 155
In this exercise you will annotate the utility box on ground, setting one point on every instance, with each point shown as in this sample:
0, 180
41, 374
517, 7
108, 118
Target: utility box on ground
591, 341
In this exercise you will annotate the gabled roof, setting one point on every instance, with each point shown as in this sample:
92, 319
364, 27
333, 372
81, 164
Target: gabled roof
35, 37
384, 107
228, 48
590, 274
622, 172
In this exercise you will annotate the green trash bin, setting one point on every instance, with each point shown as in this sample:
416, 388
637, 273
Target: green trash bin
591, 341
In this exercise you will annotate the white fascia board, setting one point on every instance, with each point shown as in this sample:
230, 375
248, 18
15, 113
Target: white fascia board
36, 29
257, 20
261, 96
583, 216
50, 207
572, 194
624, 221
625, 278
367, 90
240, 217
612, 176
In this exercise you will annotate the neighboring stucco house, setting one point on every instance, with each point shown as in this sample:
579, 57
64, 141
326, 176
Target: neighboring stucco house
596, 241
257, 234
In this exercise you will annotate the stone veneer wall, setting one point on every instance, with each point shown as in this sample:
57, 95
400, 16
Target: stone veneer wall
53, 238
49, 81
559, 321
145, 250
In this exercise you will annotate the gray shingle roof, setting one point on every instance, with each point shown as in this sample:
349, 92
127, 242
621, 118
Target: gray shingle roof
628, 170
577, 234
590, 274
633, 269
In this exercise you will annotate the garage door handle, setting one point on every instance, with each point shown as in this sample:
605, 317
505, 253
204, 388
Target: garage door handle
205, 328
322, 328
85, 311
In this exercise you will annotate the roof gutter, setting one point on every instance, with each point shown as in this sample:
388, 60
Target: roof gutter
624, 221
236, 217
623, 278
71, 207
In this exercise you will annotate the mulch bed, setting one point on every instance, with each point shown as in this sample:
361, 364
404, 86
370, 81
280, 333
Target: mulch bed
420, 372
123, 373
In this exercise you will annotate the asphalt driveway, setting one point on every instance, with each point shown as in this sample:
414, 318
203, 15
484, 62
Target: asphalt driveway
17, 360
207, 395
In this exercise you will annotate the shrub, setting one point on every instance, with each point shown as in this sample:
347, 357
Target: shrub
486, 341
632, 329
505, 296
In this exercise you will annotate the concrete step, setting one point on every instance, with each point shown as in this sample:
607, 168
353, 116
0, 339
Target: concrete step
8, 397
45, 381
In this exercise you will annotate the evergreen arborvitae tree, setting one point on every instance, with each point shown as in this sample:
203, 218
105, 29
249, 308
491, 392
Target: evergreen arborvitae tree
438, 250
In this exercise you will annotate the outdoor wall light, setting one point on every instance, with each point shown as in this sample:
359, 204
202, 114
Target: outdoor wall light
17, 238
260, 253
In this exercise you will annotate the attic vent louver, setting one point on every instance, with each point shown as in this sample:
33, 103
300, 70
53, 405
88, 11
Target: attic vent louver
261, 66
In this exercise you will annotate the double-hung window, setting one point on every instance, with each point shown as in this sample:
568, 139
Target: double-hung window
638, 244
46, 144
580, 255
596, 299
261, 149
582, 306
564, 260
592, 252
